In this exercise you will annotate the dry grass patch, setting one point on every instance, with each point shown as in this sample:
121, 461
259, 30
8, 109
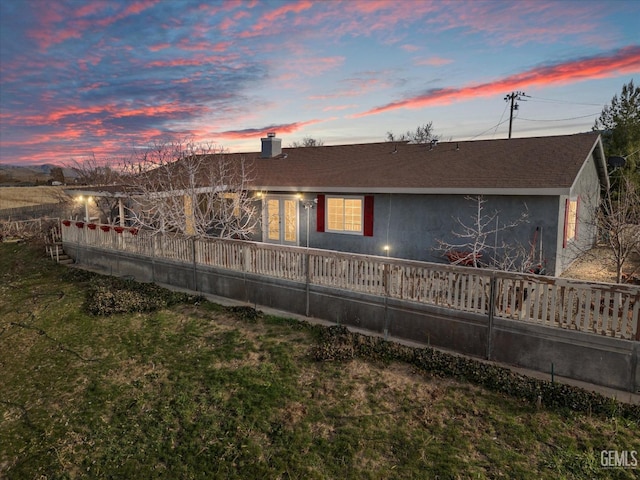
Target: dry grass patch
15, 197
197, 391
598, 265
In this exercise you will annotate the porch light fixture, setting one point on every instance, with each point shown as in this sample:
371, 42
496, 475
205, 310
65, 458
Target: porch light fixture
386, 248
308, 205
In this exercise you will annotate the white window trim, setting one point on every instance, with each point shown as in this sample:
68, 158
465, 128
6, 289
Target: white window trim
344, 197
572, 224
265, 219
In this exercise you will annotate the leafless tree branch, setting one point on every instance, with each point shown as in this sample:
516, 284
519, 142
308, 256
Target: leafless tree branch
193, 189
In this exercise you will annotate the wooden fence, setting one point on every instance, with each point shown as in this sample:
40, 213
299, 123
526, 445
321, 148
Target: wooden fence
606, 309
25, 229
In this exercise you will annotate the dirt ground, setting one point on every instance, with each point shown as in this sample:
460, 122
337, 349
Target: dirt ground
599, 265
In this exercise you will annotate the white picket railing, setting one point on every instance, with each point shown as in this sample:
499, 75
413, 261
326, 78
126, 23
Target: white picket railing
607, 309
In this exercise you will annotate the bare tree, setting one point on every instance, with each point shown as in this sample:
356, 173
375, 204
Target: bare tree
422, 135
91, 171
193, 189
618, 218
99, 173
308, 142
479, 241
57, 175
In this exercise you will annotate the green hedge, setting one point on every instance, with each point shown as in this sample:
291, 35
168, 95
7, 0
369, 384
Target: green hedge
110, 295
337, 343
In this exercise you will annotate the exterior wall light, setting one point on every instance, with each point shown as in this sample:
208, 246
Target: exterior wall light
308, 205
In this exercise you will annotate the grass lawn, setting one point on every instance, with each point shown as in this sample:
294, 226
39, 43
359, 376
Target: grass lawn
194, 390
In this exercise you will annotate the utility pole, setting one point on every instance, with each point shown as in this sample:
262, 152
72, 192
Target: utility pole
513, 96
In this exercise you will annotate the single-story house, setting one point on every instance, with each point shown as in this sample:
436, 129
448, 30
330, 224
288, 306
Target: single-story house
407, 200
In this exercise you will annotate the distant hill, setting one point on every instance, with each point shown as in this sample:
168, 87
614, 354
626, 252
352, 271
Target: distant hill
12, 175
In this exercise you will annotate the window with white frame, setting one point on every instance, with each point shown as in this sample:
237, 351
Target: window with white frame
345, 214
571, 220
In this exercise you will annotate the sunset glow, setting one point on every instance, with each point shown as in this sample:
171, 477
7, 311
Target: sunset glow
104, 78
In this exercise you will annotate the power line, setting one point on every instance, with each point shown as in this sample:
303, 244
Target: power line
558, 119
489, 129
521, 96
550, 100
500, 121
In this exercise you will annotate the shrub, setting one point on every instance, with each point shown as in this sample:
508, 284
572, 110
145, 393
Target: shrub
110, 295
338, 344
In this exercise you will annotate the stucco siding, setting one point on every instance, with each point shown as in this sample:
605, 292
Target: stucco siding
586, 189
412, 225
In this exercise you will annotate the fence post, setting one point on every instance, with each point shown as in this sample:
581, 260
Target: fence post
492, 306
387, 292
78, 245
193, 259
307, 262
152, 248
247, 268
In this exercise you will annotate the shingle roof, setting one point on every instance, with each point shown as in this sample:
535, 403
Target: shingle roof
540, 165
509, 164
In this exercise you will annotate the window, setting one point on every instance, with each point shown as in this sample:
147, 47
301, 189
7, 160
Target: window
234, 200
570, 220
344, 214
352, 215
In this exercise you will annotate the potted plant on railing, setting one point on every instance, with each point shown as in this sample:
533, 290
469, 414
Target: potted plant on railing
79, 224
91, 226
119, 229
105, 228
66, 223
133, 231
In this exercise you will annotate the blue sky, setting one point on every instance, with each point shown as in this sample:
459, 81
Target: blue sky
82, 78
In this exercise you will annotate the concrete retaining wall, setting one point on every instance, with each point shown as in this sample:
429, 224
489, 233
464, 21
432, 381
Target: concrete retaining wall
596, 359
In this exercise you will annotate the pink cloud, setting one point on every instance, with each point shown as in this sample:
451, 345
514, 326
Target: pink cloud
50, 18
409, 48
374, 6
338, 107
187, 44
158, 47
188, 62
269, 19
624, 61
305, 67
433, 61
137, 7
89, 9
255, 132
369, 81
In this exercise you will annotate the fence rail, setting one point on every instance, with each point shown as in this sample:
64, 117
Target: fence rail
606, 309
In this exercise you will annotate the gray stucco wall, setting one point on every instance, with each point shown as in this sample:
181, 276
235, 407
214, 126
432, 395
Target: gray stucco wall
411, 225
587, 189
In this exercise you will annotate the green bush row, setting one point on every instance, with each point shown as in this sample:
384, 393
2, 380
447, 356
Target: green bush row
338, 343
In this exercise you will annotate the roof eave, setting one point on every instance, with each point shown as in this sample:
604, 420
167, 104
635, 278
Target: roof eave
418, 191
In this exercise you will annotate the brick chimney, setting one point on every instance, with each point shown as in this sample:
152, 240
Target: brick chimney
271, 146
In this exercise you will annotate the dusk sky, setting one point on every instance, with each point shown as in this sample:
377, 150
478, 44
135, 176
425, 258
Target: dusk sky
105, 77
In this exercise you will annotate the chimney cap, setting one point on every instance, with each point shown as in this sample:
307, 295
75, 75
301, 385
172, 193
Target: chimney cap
271, 134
